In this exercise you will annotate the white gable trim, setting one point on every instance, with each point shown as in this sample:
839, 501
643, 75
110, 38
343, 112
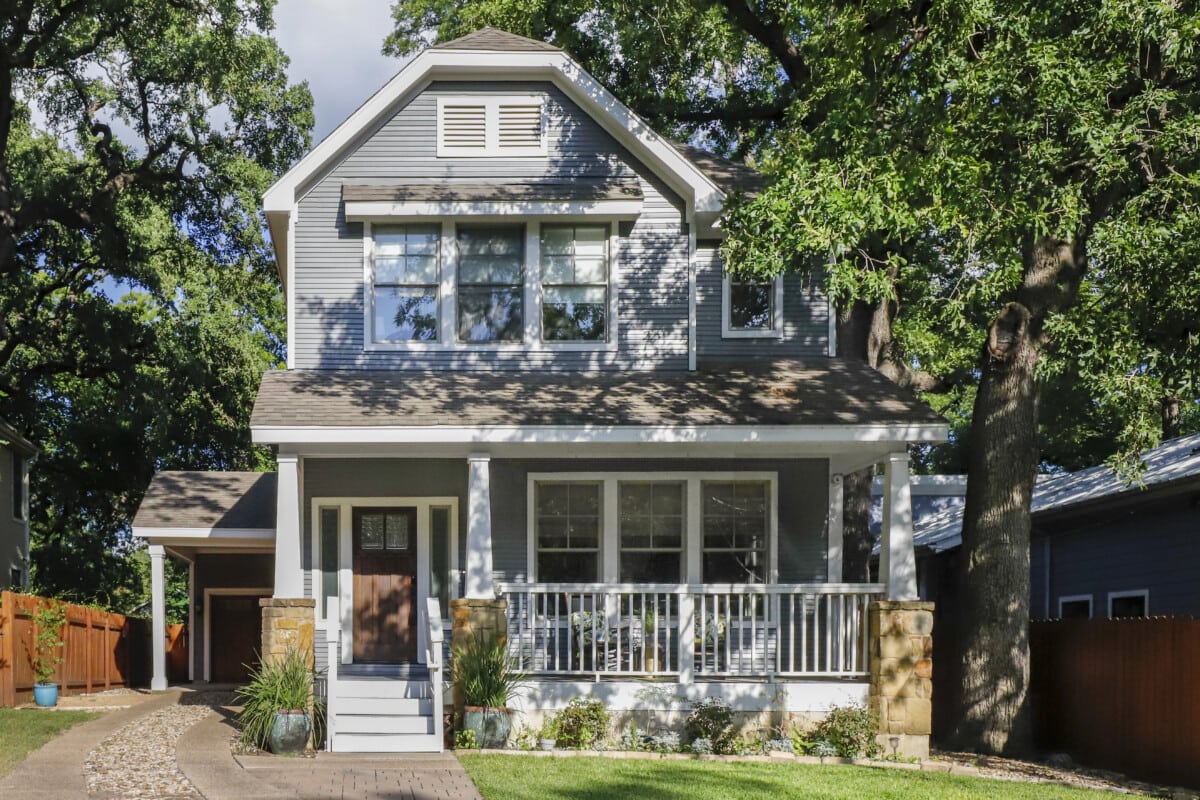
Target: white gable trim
684, 177
387, 211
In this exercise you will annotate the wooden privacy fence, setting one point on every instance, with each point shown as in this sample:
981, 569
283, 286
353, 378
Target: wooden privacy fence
101, 650
1120, 694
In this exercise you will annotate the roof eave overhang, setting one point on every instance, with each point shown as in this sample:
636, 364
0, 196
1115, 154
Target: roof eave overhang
602, 434
200, 537
701, 194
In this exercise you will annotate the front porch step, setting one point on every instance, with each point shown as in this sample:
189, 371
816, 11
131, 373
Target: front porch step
389, 706
382, 688
381, 723
386, 743
412, 672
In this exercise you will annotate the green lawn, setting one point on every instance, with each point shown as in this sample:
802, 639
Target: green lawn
516, 778
24, 730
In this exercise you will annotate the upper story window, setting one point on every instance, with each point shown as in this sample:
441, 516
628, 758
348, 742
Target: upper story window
405, 272
19, 484
491, 283
751, 307
567, 532
574, 283
472, 127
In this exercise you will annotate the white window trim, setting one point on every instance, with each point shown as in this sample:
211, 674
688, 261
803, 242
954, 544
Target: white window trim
1075, 598
1142, 593
346, 506
491, 104
776, 329
609, 518
532, 341
255, 591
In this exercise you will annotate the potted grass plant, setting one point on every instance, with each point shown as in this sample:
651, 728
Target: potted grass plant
488, 680
49, 619
275, 705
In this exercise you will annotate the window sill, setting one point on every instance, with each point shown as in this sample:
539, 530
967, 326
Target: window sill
539, 347
736, 334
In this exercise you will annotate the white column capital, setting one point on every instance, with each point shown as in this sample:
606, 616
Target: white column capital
156, 551
287, 458
897, 457
479, 457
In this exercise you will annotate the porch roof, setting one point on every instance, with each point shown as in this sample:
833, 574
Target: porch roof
222, 503
783, 393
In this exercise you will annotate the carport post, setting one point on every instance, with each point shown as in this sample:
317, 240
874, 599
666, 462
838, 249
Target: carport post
158, 626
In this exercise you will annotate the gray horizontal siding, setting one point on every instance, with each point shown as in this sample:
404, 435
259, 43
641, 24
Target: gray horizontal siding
803, 502
1153, 546
328, 266
805, 316
225, 571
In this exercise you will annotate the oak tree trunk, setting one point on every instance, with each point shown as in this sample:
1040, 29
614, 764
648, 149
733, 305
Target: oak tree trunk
856, 532
1002, 468
1170, 418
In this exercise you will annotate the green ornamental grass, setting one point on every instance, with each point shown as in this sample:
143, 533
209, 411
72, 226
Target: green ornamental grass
281, 685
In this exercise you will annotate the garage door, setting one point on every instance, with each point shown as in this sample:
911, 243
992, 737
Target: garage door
235, 635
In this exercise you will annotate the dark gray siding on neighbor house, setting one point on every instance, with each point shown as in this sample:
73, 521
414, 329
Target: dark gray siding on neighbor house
225, 571
805, 316
1152, 545
328, 263
14, 533
803, 502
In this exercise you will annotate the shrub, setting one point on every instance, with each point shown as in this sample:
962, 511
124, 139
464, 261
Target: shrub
665, 743
281, 685
702, 746
485, 673
779, 745
850, 731
583, 723
465, 740
712, 719
549, 727
823, 749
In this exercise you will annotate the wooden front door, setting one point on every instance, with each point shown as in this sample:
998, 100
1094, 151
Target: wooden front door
385, 585
235, 635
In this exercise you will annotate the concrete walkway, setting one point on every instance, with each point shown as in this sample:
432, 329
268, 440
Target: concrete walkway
55, 771
204, 756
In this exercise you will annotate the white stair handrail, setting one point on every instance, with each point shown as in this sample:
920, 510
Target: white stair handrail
433, 660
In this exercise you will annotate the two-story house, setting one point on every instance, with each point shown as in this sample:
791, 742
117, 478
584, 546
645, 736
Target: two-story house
16, 454
517, 369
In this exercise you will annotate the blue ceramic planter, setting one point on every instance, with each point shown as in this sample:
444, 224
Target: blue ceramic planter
45, 694
289, 733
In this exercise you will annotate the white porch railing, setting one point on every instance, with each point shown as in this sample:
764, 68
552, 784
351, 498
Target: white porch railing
681, 631
433, 660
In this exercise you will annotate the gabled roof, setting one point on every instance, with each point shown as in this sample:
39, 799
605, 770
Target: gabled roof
495, 40
1173, 461
730, 176
209, 500
825, 392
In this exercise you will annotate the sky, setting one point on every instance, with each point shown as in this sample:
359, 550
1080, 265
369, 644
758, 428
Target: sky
335, 46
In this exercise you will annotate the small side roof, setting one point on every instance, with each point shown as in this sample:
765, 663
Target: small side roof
209, 500
1173, 461
10, 437
729, 176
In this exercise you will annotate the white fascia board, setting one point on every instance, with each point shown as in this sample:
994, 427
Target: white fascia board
143, 532
612, 115
616, 434
383, 211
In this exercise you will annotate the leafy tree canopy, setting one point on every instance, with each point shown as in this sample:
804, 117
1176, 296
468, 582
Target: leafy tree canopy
139, 300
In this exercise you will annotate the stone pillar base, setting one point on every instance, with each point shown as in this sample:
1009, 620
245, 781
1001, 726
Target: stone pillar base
900, 637
287, 624
471, 617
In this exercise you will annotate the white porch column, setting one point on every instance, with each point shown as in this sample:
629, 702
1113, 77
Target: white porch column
479, 527
836, 502
897, 560
289, 579
158, 613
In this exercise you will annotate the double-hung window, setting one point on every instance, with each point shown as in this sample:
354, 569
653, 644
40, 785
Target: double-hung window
567, 530
750, 307
19, 484
405, 270
735, 527
491, 283
574, 267
651, 531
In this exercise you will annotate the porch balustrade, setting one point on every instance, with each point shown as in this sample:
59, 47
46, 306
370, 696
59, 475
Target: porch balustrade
685, 632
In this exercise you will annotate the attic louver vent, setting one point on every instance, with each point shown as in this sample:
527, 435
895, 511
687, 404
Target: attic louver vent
464, 126
490, 126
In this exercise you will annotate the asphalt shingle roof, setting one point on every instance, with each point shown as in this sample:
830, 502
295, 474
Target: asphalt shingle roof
208, 500
443, 191
784, 393
494, 39
729, 176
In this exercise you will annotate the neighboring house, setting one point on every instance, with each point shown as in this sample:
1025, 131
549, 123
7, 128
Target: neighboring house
516, 369
16, 454
1100, 546
931, 495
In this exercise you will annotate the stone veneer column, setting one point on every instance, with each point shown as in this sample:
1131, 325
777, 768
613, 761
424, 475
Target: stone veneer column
287, 623
474, 616
901, 656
